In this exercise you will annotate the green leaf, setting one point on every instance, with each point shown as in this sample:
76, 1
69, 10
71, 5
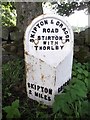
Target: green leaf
15, 104
79, 91
68, 97
85, 108
85, 72
83, 67
16, 113
73, 80
66, 109
73, 95
79, 76
73, 73
86, 82
43, 106
12, 111
79, 64
80, 70
9, 116
7, 108
80, 85
59, 101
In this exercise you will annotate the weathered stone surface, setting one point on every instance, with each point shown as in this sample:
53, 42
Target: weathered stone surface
76, 35
10, 48
76, 48
5, 33
15, 48
87, 36
81, 38
83, 55
7, 56
25, 16
16, 35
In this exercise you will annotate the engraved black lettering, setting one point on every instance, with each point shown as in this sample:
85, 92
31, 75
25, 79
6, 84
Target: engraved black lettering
61, 25
56, 42
31, 40
36, 94
33, 32
66, 32
38, 87
52, 31
50, 91
67, 40
30, 92
48, 30
32, 35
46, 22
39, 38
44, 47
36, 47
46, 90
48, 47
44, 30
52, 22
48, 42
35, 28
49, 37
41, 23
44, 42
40, 48
32, 86
57, 47
53, 37
60, 38
57, 23
29, 85
52, 48
61, 47
67, 36
43, 37
45, 97
38, 25
64, 29
51, 42
42, 88
59, 89
56, 30
56, 37
49, 98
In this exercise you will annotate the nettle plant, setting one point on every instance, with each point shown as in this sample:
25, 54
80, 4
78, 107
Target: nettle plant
73, 102
12, 110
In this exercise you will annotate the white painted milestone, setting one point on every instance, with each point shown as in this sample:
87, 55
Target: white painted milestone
48, 47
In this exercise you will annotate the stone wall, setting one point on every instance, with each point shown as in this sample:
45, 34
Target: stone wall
82, 45
10, 34
12, 43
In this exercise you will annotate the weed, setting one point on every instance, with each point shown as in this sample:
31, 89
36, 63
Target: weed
74, 99
12, 74
12, 111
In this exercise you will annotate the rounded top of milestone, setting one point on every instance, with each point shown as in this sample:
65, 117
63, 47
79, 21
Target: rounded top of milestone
48, 35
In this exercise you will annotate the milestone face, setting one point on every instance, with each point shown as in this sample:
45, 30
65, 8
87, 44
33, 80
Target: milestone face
48, 57
49, 36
